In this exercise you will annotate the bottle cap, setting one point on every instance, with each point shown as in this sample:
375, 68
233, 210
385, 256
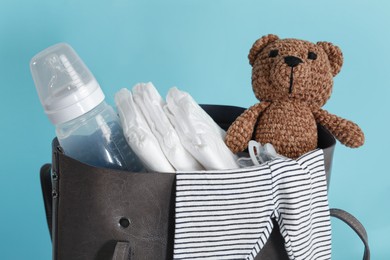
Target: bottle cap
66, 87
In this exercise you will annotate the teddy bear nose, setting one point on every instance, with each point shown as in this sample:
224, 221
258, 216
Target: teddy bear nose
292, 61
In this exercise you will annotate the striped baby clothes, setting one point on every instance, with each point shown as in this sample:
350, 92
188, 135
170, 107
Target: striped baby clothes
228, 215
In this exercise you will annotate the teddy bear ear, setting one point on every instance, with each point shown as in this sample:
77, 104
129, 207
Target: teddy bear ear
335, 56
259, 45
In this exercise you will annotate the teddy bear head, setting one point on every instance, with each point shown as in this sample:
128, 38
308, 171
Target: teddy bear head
292, 69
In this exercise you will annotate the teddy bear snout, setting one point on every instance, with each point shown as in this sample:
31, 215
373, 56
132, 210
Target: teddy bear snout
292, 61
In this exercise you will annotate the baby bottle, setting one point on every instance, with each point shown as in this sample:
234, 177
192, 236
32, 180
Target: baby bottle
87, 128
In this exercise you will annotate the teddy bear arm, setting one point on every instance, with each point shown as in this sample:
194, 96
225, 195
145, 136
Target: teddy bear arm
240, 132
346, 131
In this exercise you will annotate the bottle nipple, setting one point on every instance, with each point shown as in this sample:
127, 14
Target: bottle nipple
66, 87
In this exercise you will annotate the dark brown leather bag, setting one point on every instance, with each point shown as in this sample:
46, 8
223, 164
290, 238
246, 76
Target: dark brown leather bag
101, 214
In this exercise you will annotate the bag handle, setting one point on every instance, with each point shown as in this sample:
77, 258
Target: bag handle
355, 224
122, 250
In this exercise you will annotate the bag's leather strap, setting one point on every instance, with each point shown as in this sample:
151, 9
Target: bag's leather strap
355, 224
122, 249
46, 186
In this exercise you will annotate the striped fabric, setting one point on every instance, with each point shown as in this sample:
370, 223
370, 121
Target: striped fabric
228, 215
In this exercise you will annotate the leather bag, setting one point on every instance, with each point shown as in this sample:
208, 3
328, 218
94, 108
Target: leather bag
102, 214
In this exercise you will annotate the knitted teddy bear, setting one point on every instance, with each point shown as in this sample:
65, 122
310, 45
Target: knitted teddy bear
293, 79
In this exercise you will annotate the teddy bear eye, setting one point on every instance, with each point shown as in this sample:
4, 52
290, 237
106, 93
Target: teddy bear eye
312, 55
273, 53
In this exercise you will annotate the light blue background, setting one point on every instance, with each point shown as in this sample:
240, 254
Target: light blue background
201, 46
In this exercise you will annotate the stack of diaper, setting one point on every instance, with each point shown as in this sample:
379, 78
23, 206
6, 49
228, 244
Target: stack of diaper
172, 135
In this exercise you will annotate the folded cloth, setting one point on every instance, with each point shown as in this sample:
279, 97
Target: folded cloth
198, 132
228, 214
138, 134
151, 104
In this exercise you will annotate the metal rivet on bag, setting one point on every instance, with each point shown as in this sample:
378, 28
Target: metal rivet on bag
124, 222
